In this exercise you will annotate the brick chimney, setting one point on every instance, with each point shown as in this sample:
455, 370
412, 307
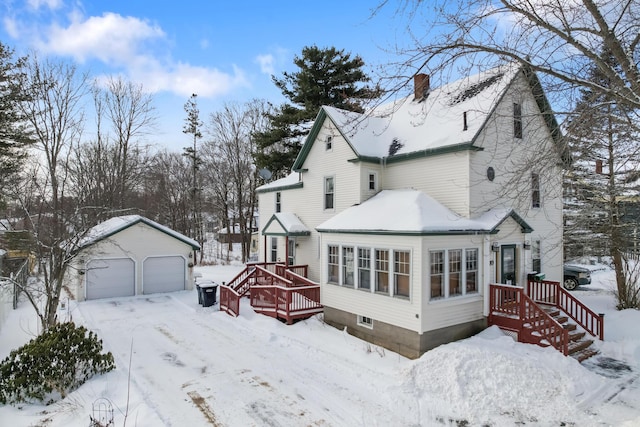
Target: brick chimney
599, 167
420, 86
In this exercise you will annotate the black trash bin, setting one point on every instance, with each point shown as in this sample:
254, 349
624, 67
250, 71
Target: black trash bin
208, 291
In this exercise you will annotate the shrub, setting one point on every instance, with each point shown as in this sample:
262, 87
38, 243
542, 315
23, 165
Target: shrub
52, 365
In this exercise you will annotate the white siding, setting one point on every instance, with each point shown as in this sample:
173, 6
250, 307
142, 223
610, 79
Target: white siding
443, 312
308, 202
393, 310
137, 242
444, 177
514, 160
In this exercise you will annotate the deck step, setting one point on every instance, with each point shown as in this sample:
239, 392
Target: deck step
585, 354
576, 346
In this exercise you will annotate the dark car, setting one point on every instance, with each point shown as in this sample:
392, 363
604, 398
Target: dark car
574, 276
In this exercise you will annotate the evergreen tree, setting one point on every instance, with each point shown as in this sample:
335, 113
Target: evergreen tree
14, 134
603, 183
326, 76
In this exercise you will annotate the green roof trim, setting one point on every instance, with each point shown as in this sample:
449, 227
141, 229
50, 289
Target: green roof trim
407, 233
279, 188
286, 232
465, 146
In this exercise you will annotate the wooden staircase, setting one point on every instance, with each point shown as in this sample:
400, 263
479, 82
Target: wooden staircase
274, 289
580, 343
546, 315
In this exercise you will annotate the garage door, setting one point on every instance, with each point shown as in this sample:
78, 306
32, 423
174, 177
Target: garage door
108, 278
163, 274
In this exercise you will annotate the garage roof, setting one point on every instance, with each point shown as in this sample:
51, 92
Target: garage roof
116, 224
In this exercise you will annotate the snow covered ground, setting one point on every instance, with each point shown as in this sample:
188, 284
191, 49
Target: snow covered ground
179, 364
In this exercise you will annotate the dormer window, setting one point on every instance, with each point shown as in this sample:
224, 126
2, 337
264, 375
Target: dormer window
328, 143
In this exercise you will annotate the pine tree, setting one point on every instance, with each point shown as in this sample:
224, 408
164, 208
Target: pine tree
601, 209
14, 134
325, 77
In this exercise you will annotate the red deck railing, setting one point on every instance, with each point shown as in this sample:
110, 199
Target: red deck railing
510, 308
552, 293
274, 290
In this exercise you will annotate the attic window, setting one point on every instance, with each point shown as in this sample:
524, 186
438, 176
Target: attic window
328, 144
395, 146
465, 123
475, 89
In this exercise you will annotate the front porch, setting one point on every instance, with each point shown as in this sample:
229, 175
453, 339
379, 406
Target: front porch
274, 289
547, 315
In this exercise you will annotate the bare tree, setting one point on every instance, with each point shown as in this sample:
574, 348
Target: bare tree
560, 40
55, 114
565, 43
229, 149
169, 200
130, 116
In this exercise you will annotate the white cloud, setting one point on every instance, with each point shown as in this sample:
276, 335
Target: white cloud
111, 38
11, 27
185, 79
266, 63
136, 49
269, 62
51, 4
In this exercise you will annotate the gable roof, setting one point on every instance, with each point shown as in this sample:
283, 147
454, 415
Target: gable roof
285, 224
412, 212
428, 126
116, 224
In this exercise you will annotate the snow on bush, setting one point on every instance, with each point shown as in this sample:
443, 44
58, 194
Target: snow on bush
53, 364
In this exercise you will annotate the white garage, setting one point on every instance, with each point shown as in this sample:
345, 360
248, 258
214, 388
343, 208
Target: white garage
131, 255
163, 274
108, 278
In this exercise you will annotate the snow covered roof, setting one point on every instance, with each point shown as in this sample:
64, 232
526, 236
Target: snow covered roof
116, 224
413, 212
290, 181
426, 124
286, 224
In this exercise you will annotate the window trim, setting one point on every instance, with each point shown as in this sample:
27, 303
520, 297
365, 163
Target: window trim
336, 257
374, 182
327, 193
389, 260
365, 322
445, 286
361, 268
396, 273
536, 193
517, 120
345, 266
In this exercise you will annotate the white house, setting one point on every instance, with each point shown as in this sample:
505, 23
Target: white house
131, 255
406, 214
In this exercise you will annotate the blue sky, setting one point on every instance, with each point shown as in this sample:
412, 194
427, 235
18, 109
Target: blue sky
225, 51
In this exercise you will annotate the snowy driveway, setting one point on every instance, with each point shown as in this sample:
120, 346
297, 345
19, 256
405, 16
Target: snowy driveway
198, 366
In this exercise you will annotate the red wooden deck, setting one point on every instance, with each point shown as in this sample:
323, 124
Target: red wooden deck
512, 309
275, 290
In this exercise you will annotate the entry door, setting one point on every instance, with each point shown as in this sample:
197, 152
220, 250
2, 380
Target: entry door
291, 251
508, 264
